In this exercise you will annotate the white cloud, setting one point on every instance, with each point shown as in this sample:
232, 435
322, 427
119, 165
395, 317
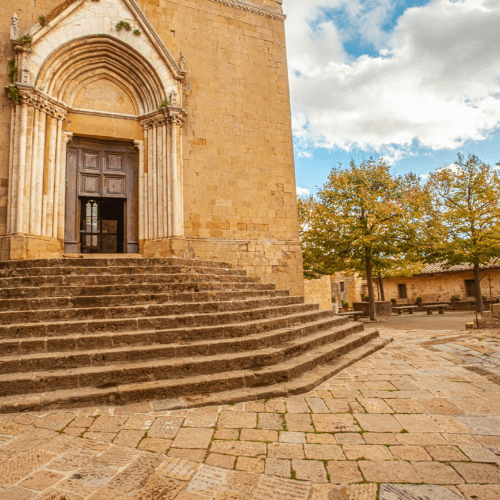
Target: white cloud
435, 84
302, 191
304, 154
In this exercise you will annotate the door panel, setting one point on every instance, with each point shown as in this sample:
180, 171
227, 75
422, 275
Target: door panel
102, 170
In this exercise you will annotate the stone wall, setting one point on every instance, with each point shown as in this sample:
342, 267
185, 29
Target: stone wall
489, 319
441, 287
353, 288
382, 308
238, 171
319, 291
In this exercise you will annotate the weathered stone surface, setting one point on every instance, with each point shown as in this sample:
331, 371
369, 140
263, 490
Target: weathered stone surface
416, 492
207, 480
344, 472
335, 423
310, 470
165, 427
222, 461
244, 448
271, 488
278, 467
158, 487
88, 479
435, 473
323, 452
21, 465
17, 493
41, 480
136, 474
193, 438
388, 472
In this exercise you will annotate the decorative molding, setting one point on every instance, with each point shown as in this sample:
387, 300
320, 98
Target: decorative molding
248, 7
170, 114
34, 98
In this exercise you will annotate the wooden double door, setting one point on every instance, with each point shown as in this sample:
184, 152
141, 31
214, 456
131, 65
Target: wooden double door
101, 197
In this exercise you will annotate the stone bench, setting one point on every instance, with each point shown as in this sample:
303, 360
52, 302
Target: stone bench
402, 309
439, 307
351, 314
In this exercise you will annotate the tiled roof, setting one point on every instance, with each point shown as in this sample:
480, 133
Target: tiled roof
441, 267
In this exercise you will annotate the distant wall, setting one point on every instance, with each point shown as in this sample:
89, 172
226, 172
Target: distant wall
319, 291
441, 287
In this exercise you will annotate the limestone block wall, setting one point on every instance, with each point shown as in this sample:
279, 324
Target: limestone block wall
319, 291
238, 171
441, 287
489, 319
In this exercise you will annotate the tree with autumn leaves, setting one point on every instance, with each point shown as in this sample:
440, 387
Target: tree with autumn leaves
466, 199
367, 220
363, 220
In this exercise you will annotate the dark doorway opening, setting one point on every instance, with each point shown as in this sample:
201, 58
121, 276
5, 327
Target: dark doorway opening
102, 228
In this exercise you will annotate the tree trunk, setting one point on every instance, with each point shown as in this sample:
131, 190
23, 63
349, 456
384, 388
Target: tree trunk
477, 289
381, 286
369, 279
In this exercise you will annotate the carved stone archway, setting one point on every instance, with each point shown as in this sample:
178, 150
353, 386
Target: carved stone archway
80, 48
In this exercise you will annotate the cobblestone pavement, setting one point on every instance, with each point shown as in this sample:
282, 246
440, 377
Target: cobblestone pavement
413, 421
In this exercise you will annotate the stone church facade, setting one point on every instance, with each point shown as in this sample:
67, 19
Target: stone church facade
152, 127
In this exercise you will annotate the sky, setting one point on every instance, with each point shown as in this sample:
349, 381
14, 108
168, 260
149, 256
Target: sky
412, 81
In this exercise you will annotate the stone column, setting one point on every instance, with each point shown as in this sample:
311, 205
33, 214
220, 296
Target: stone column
11, 161
150, 217
159, 176
66, 138
141, 202
57, 179
21, 168
164, 180
154, 179
40, 164
48, 195
34, 169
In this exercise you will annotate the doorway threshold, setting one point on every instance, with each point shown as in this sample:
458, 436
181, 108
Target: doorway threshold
102, 256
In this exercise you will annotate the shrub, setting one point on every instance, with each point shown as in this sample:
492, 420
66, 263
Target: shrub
345, 304
334, 299
455, 298
419, 300
394, 300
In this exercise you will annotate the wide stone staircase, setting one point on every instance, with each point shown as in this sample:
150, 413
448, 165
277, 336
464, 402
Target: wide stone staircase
111, 331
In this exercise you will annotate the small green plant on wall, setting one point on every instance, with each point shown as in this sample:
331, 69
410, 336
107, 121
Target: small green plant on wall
164, 104
25, 40
137, 32
43, 20
345, 304
12, 71
13, 93
123, 24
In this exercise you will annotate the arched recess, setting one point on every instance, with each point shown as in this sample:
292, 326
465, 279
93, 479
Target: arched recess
148, 85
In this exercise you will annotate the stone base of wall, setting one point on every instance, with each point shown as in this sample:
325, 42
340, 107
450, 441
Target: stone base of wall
319, 291
164, 247
382, 308
26, 247
489, 319
273, 261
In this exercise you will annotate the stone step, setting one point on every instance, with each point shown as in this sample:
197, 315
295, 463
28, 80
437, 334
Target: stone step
110, 300
110, 261
298, 374
304, 336
30, 272
50, 329
306, 382
99, 341
148, 310
120, 279
93, 290
262, 361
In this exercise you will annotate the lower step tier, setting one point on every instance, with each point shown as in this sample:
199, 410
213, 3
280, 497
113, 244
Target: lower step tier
299, 374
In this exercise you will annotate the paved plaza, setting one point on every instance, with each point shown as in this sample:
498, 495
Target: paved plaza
419, 419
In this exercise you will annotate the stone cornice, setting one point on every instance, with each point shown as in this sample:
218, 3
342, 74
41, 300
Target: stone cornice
248, 7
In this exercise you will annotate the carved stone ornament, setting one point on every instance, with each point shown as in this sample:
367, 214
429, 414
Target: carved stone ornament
182, 62
174, 98
25, 75
33, 98
14, 27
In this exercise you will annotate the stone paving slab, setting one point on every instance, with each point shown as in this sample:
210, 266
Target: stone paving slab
409, 422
